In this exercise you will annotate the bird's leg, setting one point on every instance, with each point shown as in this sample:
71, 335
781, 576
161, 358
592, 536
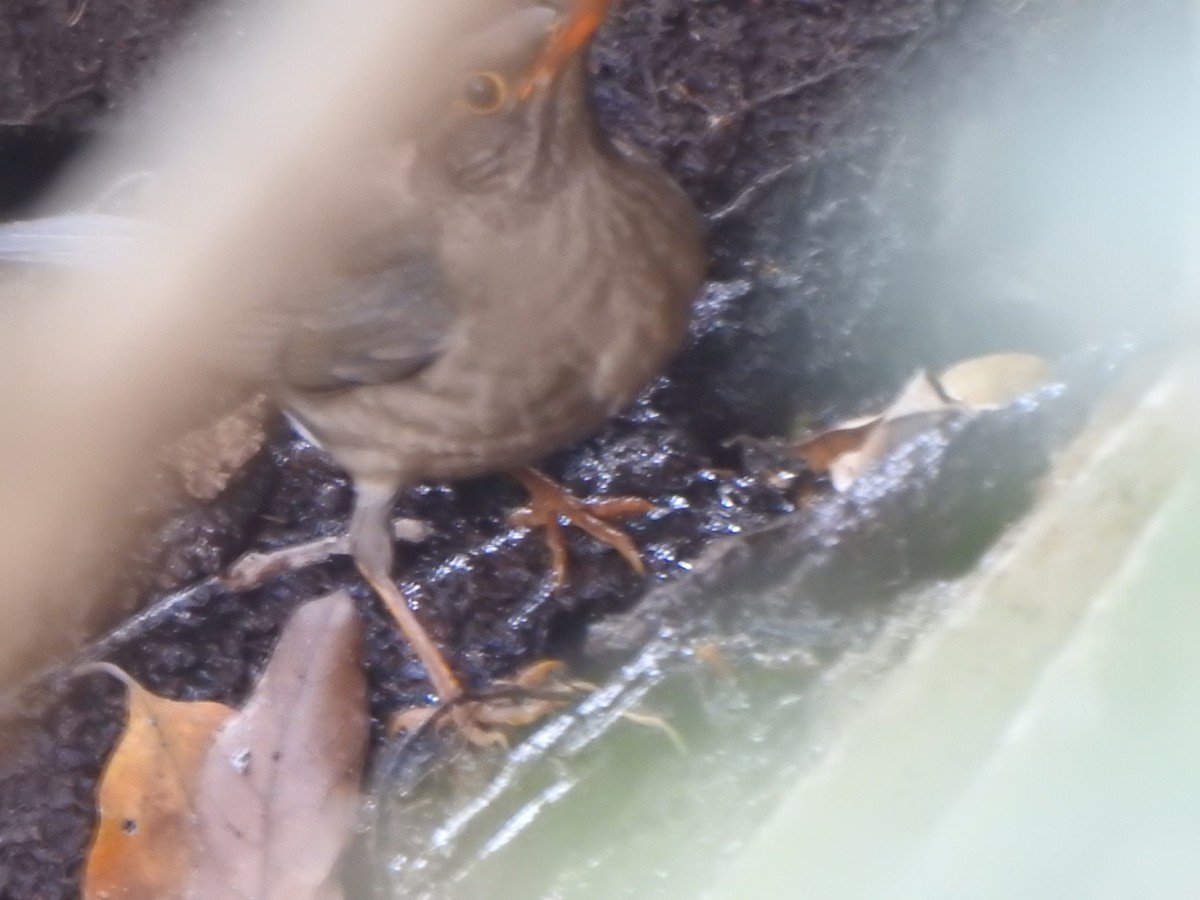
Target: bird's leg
369, 541
371, 546
549, 503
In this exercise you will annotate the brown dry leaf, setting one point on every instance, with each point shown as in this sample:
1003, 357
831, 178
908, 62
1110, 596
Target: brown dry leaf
983, 383
821, 450
142, 846
915, 408
993, 381
278, 793
201, 802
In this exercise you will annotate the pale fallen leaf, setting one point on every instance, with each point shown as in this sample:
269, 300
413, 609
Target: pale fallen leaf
278, 792
199, 801
917, 406
919, 396
142, 846
843, 450
993, 381
983, 383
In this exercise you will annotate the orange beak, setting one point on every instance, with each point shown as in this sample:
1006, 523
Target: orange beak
571, 37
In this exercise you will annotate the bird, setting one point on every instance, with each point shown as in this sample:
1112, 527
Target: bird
521, 278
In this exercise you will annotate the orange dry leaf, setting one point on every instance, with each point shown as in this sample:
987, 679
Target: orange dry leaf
823, 449
204, 803
142, 847
916, 407
982, 383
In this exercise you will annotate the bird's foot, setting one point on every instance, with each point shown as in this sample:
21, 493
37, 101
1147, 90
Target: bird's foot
256, 569
550, 505
537, 691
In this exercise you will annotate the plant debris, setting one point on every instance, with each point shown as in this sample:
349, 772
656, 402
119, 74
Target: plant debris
848, 450
203, 802
142, 846
993, 381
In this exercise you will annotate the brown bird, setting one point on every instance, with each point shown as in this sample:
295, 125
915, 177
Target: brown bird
522, 279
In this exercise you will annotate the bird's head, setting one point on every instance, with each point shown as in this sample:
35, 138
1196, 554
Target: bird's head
515, 110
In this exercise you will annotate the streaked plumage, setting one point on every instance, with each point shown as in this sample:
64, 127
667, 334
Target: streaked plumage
520, 280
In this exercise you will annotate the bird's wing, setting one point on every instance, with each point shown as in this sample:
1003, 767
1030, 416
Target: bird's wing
70, 239
369, 328
383, 322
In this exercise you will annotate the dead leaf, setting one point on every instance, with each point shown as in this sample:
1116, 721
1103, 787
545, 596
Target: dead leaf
821, 450
200, 802
993, 381
142, 846
847, 450
916, 407
984, 383
278, 793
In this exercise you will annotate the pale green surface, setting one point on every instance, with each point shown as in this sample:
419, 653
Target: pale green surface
1041, 742
1096, 791
1001, 735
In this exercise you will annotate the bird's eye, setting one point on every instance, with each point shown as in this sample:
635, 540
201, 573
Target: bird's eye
484, 92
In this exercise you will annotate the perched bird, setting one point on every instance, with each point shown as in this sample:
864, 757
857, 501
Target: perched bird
523, 279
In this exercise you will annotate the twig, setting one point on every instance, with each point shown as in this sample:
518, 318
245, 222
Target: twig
749, 194
77, 14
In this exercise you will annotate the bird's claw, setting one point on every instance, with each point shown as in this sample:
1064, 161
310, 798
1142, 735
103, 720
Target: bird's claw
530, 696
534, 693
550, 505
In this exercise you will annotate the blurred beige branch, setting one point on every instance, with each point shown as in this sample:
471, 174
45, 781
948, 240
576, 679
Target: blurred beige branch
254, 148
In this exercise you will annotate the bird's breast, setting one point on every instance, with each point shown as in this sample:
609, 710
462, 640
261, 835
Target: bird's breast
562, 315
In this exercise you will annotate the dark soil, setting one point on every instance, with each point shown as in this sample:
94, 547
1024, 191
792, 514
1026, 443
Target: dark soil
842, 261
